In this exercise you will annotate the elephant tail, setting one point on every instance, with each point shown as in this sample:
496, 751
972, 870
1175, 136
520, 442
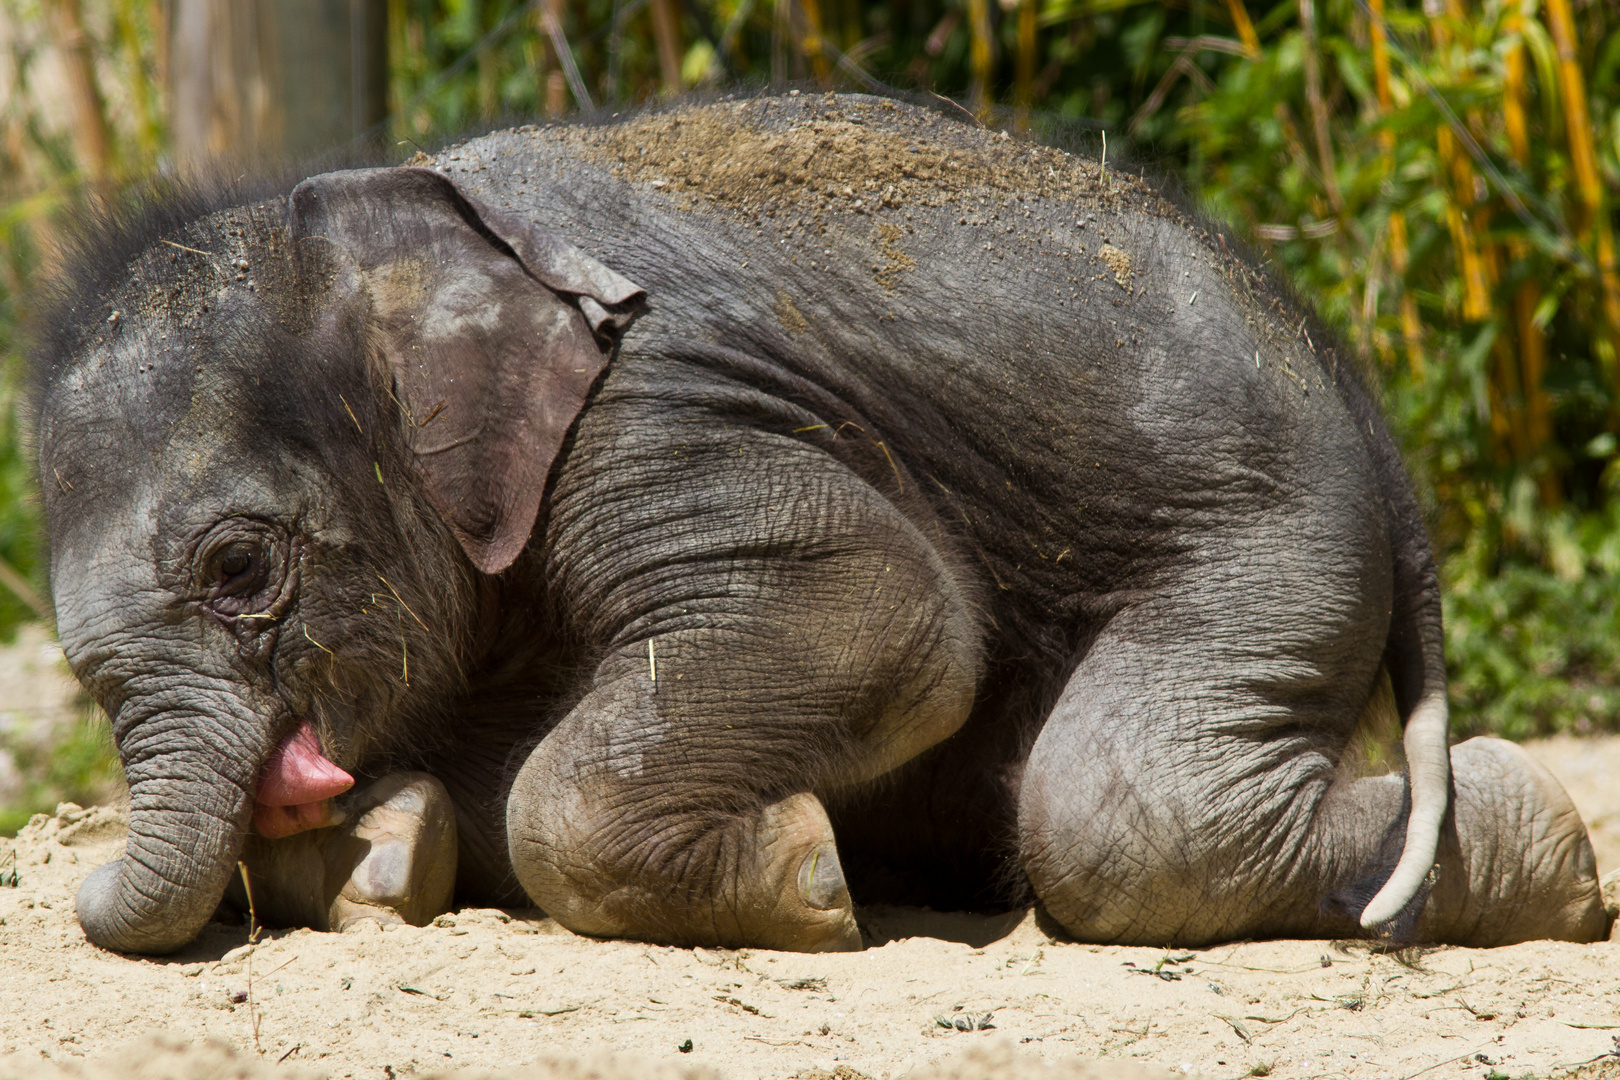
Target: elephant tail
1415, 658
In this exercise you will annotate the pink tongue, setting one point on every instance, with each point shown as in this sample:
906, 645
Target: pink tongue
294, 785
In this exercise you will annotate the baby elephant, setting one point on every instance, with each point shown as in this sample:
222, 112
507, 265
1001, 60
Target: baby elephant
699, 524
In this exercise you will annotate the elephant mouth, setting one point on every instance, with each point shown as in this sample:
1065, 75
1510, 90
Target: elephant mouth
296, 786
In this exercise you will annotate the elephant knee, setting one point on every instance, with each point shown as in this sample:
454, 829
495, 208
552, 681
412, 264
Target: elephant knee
1105, 860
547, 822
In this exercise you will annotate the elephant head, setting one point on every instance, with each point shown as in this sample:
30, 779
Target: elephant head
279, 444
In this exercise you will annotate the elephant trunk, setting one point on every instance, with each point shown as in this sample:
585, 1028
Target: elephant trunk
191, 801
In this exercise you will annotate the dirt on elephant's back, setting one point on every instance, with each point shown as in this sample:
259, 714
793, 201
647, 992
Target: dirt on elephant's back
822, 154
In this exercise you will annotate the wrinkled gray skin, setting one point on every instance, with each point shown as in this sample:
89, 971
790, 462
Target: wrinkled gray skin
1013, 577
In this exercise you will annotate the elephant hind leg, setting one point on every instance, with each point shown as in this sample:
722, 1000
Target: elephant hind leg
1192, 793
1515, 862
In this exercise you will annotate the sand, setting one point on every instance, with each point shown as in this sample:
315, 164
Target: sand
499, 989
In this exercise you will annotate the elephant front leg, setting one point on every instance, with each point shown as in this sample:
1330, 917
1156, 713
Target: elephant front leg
713, 867
392, 859
677, 802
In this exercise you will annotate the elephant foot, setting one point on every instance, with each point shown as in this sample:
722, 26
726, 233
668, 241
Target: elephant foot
1515, 863
393, 860
798, 881
771, 881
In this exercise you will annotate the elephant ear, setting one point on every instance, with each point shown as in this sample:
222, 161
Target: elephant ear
494, 329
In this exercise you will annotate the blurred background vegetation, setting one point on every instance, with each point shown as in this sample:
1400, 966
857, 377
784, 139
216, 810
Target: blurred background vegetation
1437, 177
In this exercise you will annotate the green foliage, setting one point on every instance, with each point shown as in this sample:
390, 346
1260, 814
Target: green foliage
1532, 650
78, 767
20, 545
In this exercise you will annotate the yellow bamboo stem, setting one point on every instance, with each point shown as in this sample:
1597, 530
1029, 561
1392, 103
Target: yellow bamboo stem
553, 86
1513, 93
1380, 57
981, 55
1531, 341
1476, 294
812, 41
1561, 25
1506, 384
1533, 371
1319, 116
1025, 90
1244, 28
1399, 253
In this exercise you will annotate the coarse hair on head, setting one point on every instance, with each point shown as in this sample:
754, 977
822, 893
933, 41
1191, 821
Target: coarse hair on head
97, 245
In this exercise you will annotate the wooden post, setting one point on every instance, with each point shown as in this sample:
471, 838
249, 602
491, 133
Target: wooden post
92, 142
259, 81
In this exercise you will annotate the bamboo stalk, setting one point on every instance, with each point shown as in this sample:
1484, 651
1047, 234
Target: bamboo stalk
1476, 294
546, 72
1411, 325
148, 124
1399, 252
1025, 87
1319, 116
1532, 342
92, 141
1470, 230
1514, 119
781, 26
981, 55
158, 13
567, 71
666, 35
1380, 57
1244, 28
1507, 413
1533, 369
812, 41
1561, 25
13, 579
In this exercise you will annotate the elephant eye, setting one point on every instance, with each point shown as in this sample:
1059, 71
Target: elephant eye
240, 571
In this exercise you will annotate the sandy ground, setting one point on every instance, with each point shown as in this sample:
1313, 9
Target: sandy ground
488, 989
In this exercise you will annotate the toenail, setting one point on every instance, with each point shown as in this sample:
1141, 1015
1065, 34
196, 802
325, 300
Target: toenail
821, 879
